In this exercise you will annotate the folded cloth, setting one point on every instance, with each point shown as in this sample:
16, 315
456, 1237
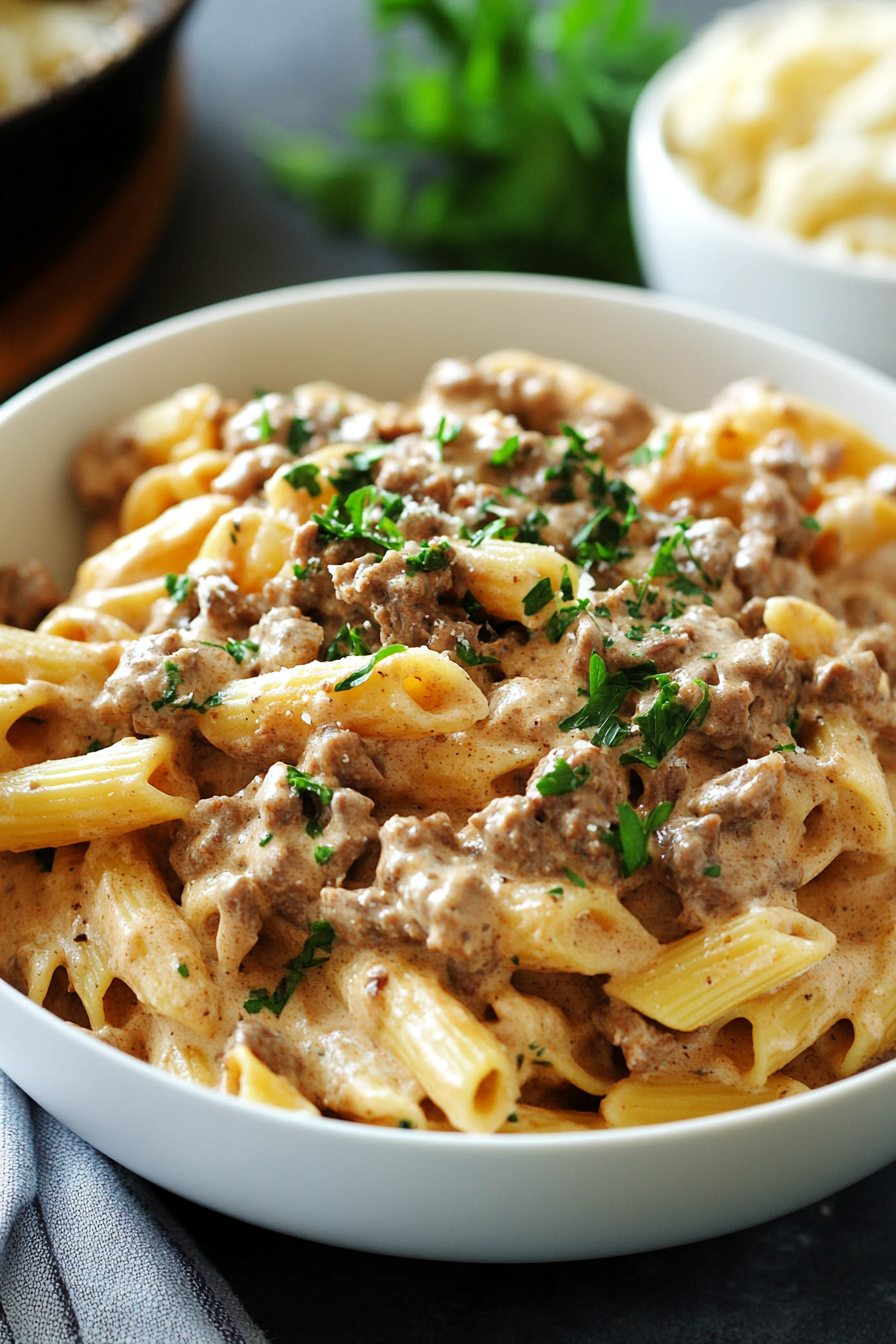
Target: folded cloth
87, 1254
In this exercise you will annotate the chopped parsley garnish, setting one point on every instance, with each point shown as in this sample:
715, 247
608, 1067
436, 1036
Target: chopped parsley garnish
635, 634
606, 695
428, 558
785, 746
474, 608
367, 515
345, 643
361, 675
44, 859
665, 566
446, 433
515, 961
320, 939
504, 455
355, 470
538, 597
264, 425
602, 536
709, 657
513, 1118
566, 591
576, 454
563, 778
651, 451
574, 878
556, 892
95, 745
467, 654
184, 970
665, 723
266, 839
812, 523
529, 529
302, 571
237, 648
405, 1124
303, 476
793, 722
315, 797
498, 530
168, 699
298, 434
714, 870
630, 838
178, 586
561, 619
323, 853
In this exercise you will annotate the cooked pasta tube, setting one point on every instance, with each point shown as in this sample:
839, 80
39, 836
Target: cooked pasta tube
246, 1077
18, 703
128, 602
303, 487
656, 1100
539, 1036
543, 1120
161, 487
556, 926
187, 1062
865, 815
412, 693
857, 523
164, 546
149, 944
85, 624
251, 544
785, 1023
26, 655
84, 797
514, 581
702, 977
456, 1059
811, 631
187, 418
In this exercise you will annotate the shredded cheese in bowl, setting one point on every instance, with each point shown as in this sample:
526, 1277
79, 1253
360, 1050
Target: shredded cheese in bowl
47, 44
788, 117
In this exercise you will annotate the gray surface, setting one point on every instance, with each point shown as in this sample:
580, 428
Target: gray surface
822, 1276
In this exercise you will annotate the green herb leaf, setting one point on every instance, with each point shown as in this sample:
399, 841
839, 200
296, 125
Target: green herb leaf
323, 853
303, 476
320, 939
184, 970
785, 746
652, 449
356, 470
504, 455
361, 675
666, 722
574, 878
538, 597
606, 695
630, 839
315, 797
499, 530
467, 654
560, 620
367, 515
714, 870
168, 699
298, 434
178, 586
302, 571
812, 523
429, 557
266, 839
237, 648
446, 432
346, 643
563, 778
264, 425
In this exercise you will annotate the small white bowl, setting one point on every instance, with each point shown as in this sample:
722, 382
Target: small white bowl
452, 1196
693, 248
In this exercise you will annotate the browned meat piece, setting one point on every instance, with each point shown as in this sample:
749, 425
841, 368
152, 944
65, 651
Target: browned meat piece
743, 793
171, 672
222, 837
782, 455
758, 685
713, 541
532, 834
224, 612
760, 571
881, 641
27, 593
856, 680
249, 470
338, 754
264, 420
428, 889
285, 638
402, 604
413, 472
770, 507
645, 1045
105, 468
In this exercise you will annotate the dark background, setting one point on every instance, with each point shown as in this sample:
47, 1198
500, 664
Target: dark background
826, 1275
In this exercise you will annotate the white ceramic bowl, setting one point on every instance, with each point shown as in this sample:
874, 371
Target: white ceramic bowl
453, 1196
693, 248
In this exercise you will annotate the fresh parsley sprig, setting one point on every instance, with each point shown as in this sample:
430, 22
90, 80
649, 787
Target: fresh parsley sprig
367, 515
237, 648
606, 695
467, 654
630, 838
346, 642
169, 700
563, 778
362, 673
314, 794
320, 939
303, 476
665, 723
431, 556
355, 471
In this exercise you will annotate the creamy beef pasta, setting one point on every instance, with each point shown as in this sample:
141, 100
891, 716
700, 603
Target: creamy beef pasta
519, 757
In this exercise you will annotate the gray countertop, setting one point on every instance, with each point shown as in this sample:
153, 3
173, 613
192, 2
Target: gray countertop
826, 1274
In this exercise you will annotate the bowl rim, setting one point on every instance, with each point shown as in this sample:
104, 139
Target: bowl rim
648, 141
234, 310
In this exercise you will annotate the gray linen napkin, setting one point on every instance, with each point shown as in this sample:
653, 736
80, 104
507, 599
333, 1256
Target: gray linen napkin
87, 1255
